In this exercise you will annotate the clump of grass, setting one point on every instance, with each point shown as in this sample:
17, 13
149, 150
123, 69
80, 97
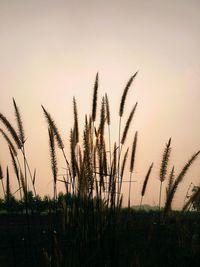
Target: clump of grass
177, 181
193, 197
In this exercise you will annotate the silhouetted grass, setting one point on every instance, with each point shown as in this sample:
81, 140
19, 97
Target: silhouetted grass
87, 226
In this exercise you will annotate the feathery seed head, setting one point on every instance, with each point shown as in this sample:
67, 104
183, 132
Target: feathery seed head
165, 161
133, 152
1, 173
107, 109
146, 180
9, 142
11, 129
95, 92
124, 95
128, 124
54, 128
19, 123
76, 128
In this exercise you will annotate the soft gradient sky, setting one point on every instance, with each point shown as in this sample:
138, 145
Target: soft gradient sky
51, 50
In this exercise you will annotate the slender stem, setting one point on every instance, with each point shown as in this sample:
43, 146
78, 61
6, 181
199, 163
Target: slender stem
20, 189
187, 192
29, 170
119, 153
4, 192
119, 177
25, 173
77, 159
109, 140
109, 146
141, 202
92, 156
26, 198
129, 192
55, 191
31, 176
119, 148
72, 182
160, 194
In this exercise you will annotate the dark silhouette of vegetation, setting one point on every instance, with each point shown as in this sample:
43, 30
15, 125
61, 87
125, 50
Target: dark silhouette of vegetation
86, 225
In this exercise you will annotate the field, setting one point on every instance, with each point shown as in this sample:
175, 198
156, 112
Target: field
136, 239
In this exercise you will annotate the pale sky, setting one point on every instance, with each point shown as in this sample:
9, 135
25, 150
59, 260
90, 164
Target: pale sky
51, 50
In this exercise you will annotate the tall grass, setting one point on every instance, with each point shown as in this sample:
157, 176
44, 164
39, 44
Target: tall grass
90, 172
94, 178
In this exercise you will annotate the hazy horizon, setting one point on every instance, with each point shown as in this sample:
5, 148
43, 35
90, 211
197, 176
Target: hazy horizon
51, 50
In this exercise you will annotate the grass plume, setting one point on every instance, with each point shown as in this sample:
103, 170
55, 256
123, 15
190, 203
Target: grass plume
54, 128
53, 158
94, 102
164, 165
124, 135
11, 130
165, 161
145, 183
76, 128
132, 163
107, 109
21, 133
72, 150
124, 95
9, 142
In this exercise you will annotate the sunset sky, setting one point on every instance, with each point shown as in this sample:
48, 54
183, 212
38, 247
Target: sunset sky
50, 51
